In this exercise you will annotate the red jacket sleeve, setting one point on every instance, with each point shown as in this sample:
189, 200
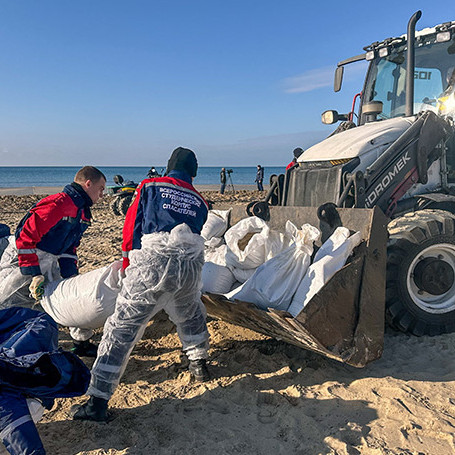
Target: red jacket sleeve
42, 218
128, 227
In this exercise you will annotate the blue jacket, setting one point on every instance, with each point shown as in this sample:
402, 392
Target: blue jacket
161, 204
55, 224
31, 365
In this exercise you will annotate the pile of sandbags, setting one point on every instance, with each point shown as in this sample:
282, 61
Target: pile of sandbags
255, 264
232, 259
274, 283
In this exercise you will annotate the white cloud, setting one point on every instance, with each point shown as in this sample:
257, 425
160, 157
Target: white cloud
310, 80
322, 77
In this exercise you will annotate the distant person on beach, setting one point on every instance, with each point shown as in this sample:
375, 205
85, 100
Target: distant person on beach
260, 177
163, 258
46, 241
153, 173
222, 180
297, 152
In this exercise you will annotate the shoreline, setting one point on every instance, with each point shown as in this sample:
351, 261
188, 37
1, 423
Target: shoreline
28, 190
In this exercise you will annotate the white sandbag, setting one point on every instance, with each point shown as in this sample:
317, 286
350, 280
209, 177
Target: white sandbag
216, 278
242, 275
216, 224
251, 242
236, 285
330, 258
84, 301
214, 242
275, 282
216, 255
13, 284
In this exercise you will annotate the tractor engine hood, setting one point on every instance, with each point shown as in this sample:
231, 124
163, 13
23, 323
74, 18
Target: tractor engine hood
367, 142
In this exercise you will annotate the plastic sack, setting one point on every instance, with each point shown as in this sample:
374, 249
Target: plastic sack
275, 282
216, 278
330, 258
216, 255
14, 285
84, 301
242, 275
251, 242
214, 242
216, 224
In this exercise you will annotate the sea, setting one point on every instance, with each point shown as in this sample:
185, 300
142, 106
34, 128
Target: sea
26, 176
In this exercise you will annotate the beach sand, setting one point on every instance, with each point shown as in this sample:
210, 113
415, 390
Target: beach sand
266, 397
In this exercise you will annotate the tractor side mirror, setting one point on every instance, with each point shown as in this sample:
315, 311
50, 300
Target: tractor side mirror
331, 117
338, 78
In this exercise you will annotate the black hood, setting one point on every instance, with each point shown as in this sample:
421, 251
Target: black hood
182, 159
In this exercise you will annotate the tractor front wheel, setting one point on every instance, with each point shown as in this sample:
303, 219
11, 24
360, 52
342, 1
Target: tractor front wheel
420, 297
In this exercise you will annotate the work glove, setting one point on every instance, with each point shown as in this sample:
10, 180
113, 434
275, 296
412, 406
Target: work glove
36, 287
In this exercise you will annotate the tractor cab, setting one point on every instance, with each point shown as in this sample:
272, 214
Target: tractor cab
384, 94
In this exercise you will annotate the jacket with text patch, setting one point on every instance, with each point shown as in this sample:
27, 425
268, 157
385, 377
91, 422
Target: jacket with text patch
160, 204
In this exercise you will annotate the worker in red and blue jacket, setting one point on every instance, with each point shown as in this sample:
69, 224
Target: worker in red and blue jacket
153, 209
161, 238
296, 152
55, 225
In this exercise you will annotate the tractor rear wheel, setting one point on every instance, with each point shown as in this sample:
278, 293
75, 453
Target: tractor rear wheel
420, 296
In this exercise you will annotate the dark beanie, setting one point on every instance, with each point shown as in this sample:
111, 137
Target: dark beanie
297, 152
182, 160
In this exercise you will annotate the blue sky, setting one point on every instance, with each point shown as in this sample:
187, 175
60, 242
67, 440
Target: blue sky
109, 82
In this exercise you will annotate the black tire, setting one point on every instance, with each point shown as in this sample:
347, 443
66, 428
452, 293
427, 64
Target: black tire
114, 206
420, 295
124, 203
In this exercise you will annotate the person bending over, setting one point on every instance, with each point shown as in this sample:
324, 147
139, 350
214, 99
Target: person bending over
163, 258
47, 238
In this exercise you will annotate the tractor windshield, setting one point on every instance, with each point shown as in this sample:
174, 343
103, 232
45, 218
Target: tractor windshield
434, 65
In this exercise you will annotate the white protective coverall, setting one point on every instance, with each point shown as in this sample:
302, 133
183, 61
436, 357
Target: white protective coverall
164, 274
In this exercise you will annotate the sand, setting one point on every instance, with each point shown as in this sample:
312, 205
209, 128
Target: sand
266, 397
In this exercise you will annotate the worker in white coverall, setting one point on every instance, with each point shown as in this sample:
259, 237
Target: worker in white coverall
163, 257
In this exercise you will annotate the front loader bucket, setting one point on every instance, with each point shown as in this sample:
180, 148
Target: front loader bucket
345, 319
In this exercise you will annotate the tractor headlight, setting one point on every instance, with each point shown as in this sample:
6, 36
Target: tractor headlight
446, 105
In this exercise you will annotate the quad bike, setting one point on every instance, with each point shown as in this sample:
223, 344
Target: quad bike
123, 193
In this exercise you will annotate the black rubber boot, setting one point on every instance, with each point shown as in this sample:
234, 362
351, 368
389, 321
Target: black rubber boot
94, 409
199, 371
84, 348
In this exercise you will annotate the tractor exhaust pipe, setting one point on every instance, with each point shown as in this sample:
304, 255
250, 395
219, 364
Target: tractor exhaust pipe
410, 63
